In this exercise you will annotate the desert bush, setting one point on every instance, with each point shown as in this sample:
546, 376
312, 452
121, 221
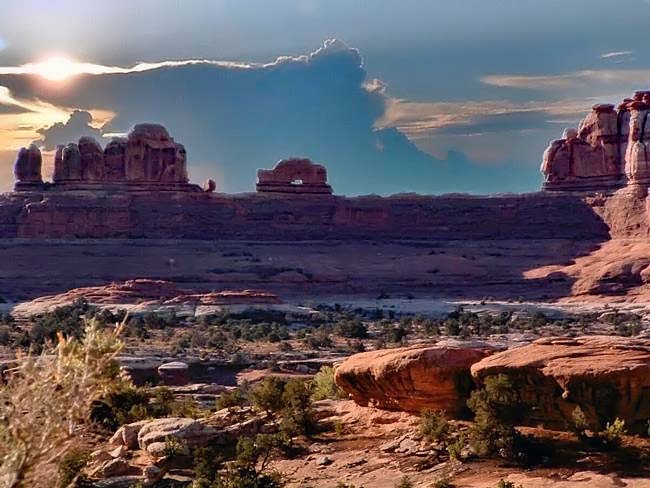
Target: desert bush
237, 397
324, 385
130, 403
247, 467
46, 397
288, 401
507, 484
612, 435
174, 447
455, 448
319, 340
70, 468
433, 425
496, 408
297, 415
352, 329
442, 483
394, 333
404, 482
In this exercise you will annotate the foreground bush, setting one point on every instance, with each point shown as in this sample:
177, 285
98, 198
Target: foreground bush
324, 386
46, 397
433, 425
247, 467
496, 408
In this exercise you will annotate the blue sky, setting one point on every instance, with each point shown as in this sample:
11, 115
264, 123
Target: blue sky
428, 96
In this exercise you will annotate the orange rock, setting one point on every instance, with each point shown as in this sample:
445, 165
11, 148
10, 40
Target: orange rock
607, 376
411, 378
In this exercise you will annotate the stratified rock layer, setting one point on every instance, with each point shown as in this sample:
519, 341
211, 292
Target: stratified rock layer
411, 379
154, 292
606, 376
271, 216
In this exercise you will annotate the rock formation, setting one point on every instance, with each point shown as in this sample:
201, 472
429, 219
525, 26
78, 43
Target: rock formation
608, 150
294, 175
148, 159
412, 378
146, 293
27, 170
606, 376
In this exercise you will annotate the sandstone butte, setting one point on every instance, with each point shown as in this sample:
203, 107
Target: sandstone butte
606, 376
411, 379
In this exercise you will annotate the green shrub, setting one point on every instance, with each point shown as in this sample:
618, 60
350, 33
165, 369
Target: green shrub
612, 435
352, 329
174, 447
324, 385
70, 466
248, 466
237, 397
455, 448
433, 425
288, 401
442, 483
507, 484
404, 482
496, 408
580, 424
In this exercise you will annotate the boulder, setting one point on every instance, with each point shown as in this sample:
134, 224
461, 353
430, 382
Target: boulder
191, 432
175, 373
115, 467
411, 378
127, 435
606, 376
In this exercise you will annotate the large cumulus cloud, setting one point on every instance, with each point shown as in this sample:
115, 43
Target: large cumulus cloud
235, 118
79, 124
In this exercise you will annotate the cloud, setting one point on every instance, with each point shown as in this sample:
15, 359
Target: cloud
616, 54
237, 117
418, 119
595, 79
62, 68
79, 124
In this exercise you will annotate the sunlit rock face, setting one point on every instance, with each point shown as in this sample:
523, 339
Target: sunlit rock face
608, 150
148, 159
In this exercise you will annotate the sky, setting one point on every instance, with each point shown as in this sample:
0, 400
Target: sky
392, 96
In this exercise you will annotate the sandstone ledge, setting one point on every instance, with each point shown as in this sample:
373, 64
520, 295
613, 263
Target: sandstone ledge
606, 376
411, 379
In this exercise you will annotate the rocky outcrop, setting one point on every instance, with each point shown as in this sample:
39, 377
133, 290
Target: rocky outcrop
294, 175
191, 433
147, 160
153, 292
175, 373
27, 170
412, 378
608, 150
606, 376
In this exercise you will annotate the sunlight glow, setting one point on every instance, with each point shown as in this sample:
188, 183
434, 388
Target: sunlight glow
57, 69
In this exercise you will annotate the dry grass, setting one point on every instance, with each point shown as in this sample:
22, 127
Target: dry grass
46, 398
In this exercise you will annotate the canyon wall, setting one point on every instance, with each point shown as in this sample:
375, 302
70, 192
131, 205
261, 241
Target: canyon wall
268, 216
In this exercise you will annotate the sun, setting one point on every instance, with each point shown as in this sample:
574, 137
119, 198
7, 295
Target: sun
56, 68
